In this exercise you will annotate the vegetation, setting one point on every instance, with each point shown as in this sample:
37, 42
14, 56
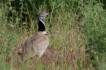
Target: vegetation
76, 29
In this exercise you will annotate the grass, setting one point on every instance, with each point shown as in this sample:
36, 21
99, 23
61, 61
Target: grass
76, 30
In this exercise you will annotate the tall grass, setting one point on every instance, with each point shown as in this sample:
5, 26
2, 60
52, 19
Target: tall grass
76, 30
94, 27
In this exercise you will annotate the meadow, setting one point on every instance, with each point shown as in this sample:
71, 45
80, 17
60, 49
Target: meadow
76, 29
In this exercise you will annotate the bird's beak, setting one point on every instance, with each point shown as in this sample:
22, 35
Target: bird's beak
47, 14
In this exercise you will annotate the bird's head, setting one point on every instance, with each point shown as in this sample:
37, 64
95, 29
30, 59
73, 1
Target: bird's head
42, 15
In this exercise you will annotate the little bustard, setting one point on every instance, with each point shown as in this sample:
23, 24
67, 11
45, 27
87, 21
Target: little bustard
38, 43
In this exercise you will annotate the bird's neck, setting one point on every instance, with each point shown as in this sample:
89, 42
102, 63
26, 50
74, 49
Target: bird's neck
41, 26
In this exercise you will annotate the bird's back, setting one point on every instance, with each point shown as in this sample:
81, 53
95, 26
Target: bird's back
35, 45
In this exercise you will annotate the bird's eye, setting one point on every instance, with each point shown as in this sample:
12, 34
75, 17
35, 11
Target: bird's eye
41, 16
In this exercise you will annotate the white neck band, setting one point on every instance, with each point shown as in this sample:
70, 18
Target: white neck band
44, 32
42, 22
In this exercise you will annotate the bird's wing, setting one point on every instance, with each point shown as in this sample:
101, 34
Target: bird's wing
35, 41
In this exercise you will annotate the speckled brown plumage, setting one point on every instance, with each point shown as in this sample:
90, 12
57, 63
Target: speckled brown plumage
38, 43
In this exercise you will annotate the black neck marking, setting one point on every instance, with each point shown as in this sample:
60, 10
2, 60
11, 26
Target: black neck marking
41, 26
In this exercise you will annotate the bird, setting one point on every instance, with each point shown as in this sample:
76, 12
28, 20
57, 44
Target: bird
37, 44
